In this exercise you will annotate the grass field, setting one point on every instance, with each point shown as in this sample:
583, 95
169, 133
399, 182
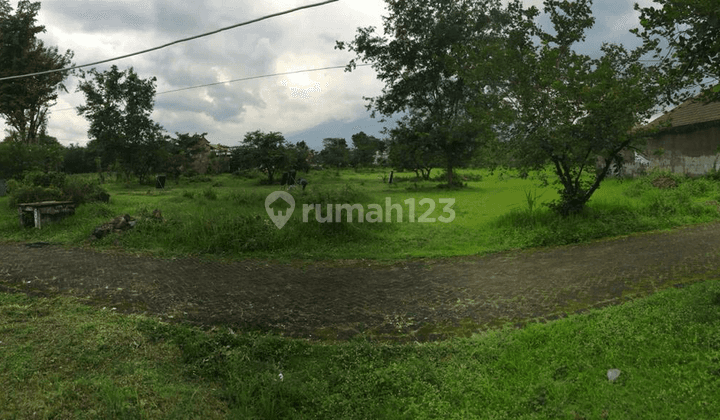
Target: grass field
225, 216
60, 359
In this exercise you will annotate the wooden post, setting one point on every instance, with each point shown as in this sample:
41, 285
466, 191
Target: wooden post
391, 177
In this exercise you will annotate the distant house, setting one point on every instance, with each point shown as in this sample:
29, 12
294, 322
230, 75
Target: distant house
690, 144
219, 149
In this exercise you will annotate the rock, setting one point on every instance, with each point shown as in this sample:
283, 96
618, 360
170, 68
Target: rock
613, 374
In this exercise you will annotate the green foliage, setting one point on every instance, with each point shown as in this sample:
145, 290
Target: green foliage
267, 152
335, 153
411, 148
687, 29
81, 191
299, 156
50, 186
24, 102
416, 60
364, 149
79, 160
118, 105
28, 193
562, 107
117, 366
17, 158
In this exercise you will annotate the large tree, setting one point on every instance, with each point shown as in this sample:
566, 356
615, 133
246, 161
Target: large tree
24, 102
688, 30
118, 105
566, 108
413, 59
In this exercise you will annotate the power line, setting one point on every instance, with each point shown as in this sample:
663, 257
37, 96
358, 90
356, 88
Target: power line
172, 43
255, 77
238, 80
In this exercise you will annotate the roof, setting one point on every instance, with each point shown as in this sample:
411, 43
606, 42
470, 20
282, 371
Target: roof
692, 111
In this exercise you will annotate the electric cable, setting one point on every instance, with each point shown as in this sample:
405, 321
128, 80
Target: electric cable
170, 43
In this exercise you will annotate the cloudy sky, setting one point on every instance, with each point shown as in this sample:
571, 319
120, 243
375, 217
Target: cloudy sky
304, 106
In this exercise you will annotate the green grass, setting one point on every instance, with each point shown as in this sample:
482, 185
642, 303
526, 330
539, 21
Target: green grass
60, 359
225, 216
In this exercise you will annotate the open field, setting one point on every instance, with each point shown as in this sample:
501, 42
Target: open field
225, 216
62, 359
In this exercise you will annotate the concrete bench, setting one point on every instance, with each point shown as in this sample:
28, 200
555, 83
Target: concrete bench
44, 212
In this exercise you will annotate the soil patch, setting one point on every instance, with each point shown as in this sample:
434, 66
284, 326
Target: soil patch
408, 300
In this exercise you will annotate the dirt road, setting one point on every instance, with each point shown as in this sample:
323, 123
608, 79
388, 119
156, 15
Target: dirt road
408, 300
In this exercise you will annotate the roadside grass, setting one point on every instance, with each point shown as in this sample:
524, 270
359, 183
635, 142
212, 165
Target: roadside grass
61, 359
225, 216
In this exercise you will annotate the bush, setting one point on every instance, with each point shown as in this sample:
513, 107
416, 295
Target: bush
45, 179
80, 192
24, 193
53, 186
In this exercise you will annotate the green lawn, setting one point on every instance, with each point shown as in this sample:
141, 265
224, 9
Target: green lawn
225, 216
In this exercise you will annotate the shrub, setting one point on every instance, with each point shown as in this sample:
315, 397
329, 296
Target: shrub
51, 186
45, 179
80, 192
25, 193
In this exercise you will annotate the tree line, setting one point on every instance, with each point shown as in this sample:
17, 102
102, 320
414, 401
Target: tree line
474, 81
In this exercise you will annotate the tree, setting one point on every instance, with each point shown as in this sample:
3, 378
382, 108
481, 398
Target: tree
299, 155
264, 151
413, 149
335, 152
566, 108
364, 149
78, 160
17, 156
690, 28
414, 60
118, 106
24, 102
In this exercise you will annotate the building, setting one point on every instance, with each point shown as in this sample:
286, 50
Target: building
690, 144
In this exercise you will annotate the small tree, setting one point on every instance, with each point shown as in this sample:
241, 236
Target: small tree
412, 148
264, 151
566, 108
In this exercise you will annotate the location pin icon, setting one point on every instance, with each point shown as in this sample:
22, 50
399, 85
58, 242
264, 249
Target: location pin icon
279, 219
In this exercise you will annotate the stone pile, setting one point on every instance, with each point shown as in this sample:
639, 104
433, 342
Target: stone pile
118, 224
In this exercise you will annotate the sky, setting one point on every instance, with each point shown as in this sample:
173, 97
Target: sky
306, 106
